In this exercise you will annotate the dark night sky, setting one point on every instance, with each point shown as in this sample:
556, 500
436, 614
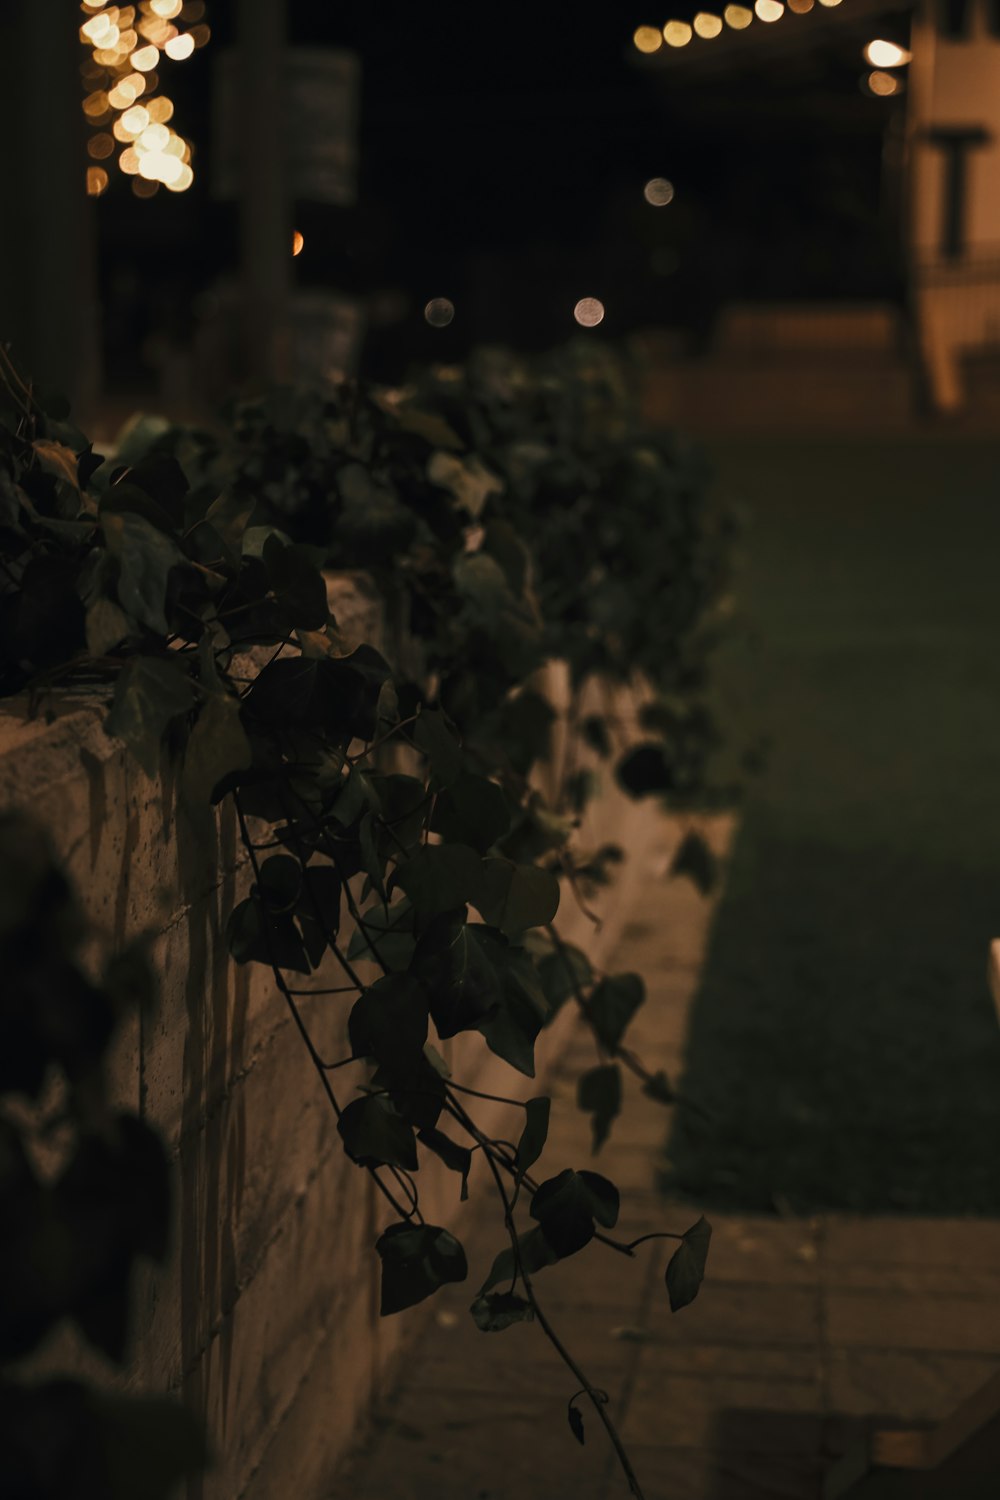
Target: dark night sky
503, 153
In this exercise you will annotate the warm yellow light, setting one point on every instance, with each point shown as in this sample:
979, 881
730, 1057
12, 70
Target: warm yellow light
154, 137
737, 16
97, 29
658, 191
96, 104
769, 10
176, 146
439, 312
121, 132
129, 161
647, 39
298, 241
145, 59
801, 7
883, 54
128, 40
588, 312
183, 182
136, 82
97, 181
829, 3
160, 109
179, 47
122, 95
677, 33
706, 25
135, 119
883, 84
166, 8
100, 146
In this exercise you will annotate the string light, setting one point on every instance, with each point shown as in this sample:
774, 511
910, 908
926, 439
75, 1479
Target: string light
658, 191
298, 241
769, 10
882, 54
706, 25
737, 16
588, 312
677, 33
647, 39
439, 312
126, 46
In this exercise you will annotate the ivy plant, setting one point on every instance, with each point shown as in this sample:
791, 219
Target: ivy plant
402, 860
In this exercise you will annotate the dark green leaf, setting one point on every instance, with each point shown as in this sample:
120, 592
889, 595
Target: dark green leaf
533, 1136
433, 735
563, 973
473, 810
441, 877
534, 1253
511, 1030
499, 1310
695, 859
613, 1003
514, 897
575, 1416
149, 693
416, 1261
599, 1093
146, 558
686, 1269
658, 1087
375, 1135
298, 585
567, 1206
461, 964
389, 1021
255, 935
644, 770
458, 1158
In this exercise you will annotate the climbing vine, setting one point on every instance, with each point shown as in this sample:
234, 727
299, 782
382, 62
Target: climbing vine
403, 861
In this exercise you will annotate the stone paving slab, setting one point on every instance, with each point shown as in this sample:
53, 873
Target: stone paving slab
805, 1330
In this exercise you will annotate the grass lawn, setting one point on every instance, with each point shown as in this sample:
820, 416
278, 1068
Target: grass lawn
843, 1036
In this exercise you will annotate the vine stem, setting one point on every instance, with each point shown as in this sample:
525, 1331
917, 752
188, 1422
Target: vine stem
594, 1395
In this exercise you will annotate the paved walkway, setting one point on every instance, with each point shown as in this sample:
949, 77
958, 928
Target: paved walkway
804, 1329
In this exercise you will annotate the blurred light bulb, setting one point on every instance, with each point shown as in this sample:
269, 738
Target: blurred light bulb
883, 54
97, 181
439, 312
588, 312
183, 181
801, 7
769, 10
129, 161
145, 59
883, 84
179, 47
166, 8
154, 137
298, 240
677, 33
100, 146
706, 25
136, 119
160, 110
647, 39
658, 191
737, 16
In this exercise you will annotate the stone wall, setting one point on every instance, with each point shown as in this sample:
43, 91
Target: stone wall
266, 1318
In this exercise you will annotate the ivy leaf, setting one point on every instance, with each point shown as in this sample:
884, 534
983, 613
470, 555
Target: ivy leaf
298, 585
686, 1269
695, 859
390, 929
534, 1134
371, 861
107, 626
511, 1030
599, 1093
149, 693
658, 1087
514, 896
375, 1135
255, 935
499, 1310
472, 810
458, 1158
562, 973
566, 1207
645, 770
280, 883
534, 1253
415, 1087
416, 1261
146, 557
217, 745
440, 877
432, 735
460, 965
57, 459
389, 1021
612, 1005
575, 1416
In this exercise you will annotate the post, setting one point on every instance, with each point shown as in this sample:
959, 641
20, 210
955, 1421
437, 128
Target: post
266, 227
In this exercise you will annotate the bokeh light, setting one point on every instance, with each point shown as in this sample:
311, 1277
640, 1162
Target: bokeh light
658, 191
298, 240
439, 312
97, 181
101, 145
588, 312
737, 16
882, 54
769, 10
883, 84
801, 7
707, 25
647, 39
677, 33
145, 59
179, 47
